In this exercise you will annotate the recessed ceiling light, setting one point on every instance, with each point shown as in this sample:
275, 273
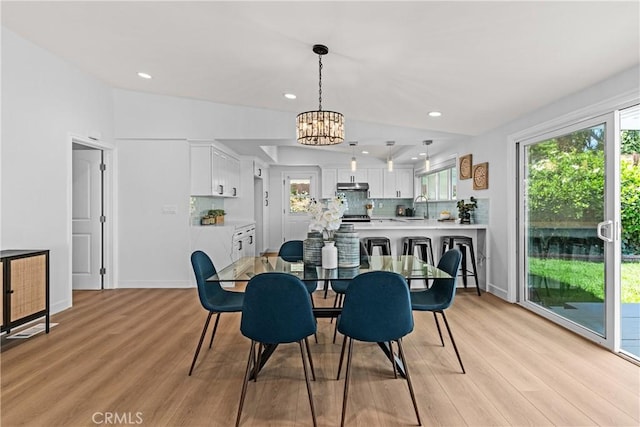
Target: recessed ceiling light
144, 75
414, 158
422, 154
435, 114
365, 152
290, 96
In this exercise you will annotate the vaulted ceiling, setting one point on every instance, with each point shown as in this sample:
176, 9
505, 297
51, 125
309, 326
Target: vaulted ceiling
481, 64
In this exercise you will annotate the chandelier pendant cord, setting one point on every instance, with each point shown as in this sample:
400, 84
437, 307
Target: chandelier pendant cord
320, 83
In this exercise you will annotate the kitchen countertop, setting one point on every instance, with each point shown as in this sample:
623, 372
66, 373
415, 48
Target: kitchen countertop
413, 223
230, 223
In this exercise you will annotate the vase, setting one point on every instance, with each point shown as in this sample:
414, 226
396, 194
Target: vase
329, 255
348, 245
312, 248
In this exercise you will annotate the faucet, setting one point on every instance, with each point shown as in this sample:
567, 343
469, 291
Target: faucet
426, 203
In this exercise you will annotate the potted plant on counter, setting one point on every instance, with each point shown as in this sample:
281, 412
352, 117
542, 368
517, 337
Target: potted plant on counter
466, 209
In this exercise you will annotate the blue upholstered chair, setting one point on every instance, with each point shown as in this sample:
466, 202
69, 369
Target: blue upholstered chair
377, 308
440, 295
213, 298
293, 251
277, 310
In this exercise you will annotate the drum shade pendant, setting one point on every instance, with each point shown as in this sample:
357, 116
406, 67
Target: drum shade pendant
320, 127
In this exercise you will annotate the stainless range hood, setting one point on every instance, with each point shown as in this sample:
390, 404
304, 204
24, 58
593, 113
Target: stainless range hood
353, 186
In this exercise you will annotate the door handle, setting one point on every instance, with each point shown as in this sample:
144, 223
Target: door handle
235, 191
266, 202
601, 226
266, 194
221, 191
240, 245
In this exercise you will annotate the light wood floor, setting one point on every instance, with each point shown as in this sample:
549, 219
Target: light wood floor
128, 352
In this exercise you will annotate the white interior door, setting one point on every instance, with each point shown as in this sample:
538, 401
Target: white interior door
299, 189
86, 213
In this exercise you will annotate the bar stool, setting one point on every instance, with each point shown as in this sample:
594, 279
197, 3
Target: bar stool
424, 247
381, 242
463, 243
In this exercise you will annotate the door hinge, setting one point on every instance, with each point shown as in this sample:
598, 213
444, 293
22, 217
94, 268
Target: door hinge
103, 271
103, 219
103, 167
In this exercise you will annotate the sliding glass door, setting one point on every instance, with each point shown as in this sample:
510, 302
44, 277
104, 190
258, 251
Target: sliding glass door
629, 201
566, 226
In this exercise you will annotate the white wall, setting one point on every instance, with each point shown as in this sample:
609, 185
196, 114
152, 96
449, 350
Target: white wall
44, 99
495, 148
153, 214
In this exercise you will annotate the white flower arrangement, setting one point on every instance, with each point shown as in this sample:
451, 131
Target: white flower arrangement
327, 219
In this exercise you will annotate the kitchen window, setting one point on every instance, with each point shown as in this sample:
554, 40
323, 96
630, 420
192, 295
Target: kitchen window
440, 184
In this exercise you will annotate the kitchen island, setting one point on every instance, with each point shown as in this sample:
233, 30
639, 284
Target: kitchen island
397, 228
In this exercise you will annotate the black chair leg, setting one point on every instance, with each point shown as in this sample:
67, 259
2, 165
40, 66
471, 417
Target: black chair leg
406, 371
306, 378
204, 332
438, 326
346, 383
246, 381
344, 342
313, 372
452, 341
256, 362
393, 360
215, 328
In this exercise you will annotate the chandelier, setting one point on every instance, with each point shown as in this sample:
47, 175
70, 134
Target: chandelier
320, 127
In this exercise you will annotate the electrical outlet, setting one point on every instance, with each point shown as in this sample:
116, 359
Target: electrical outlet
380, 205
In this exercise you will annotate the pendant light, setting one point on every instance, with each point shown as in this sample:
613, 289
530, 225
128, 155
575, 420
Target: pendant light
320, 127
354, 165
389, 159
427, 162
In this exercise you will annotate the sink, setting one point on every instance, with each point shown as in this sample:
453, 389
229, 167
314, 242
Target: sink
412, 218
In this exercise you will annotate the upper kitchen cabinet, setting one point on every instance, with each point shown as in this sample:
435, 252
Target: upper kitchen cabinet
347, 175
259, 169
329, 182
398, 184
376, 183
214, 172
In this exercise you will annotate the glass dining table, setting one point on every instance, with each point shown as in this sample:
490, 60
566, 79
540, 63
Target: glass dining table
409, 266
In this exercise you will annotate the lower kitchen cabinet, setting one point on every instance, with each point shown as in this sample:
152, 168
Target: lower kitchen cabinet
25, 287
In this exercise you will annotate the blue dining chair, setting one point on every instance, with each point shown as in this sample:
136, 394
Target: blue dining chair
293, 251
213, 298
439, 296
277, 310
377, 308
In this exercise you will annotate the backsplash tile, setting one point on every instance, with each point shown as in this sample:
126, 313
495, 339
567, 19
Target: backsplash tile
357, 200
199, 205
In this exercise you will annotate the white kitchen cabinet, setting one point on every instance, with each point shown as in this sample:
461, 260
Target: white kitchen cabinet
214, 172
398, 184
376, 183
329, 181
347, 175
259, 169
201, 167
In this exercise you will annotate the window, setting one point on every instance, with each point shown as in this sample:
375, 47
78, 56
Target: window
299, 195
440, 184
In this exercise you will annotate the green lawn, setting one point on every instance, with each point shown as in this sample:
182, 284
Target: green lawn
580, 281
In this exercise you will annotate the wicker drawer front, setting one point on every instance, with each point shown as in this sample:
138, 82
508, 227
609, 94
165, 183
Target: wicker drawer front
3, 294
28, 283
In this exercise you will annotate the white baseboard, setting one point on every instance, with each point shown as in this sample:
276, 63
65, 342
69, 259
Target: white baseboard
151, 284
499, 292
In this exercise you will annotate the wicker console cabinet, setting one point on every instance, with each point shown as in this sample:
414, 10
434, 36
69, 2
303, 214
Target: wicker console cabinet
25, 287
